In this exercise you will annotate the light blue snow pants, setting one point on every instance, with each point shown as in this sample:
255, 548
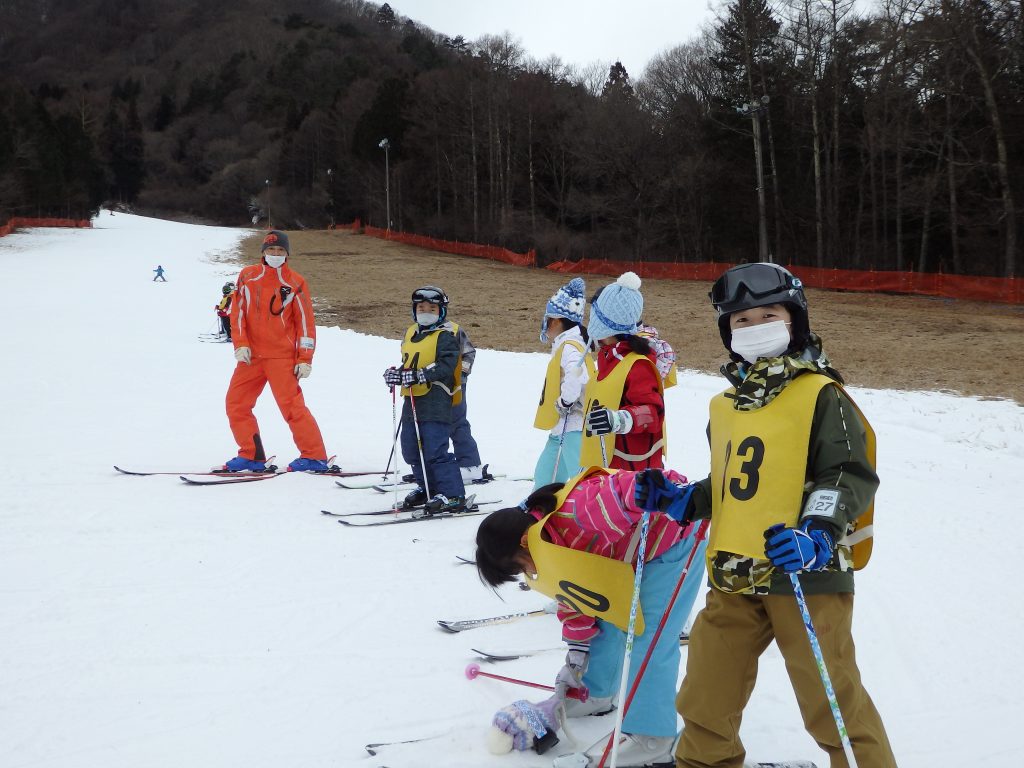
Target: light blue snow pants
652, 711
568, 463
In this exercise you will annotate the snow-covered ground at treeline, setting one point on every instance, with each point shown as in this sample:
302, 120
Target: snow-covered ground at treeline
148, 624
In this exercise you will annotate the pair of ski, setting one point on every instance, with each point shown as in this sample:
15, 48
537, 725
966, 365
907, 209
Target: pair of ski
376, 747
471, 509
214, 477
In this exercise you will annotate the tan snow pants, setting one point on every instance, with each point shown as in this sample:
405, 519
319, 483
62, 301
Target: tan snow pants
727, 639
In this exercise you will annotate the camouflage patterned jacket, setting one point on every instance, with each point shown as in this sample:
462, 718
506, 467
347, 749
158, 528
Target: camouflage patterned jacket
836, 458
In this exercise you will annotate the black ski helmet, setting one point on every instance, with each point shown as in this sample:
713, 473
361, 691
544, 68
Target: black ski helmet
228, 288
434, 295
756, 285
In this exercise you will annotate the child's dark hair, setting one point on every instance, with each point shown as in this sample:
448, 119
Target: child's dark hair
499, 535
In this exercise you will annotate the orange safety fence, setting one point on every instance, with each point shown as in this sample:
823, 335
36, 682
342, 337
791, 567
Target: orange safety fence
20, 222
1006, 290
528, 259
354, 225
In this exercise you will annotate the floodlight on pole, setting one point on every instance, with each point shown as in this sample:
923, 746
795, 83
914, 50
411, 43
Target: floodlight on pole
386, 145
754, 109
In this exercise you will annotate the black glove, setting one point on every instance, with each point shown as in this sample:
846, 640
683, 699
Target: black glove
412, 376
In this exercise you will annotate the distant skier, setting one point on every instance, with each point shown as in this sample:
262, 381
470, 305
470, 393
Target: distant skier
560, 410
159, 274
431, 382
223, 309
274, 333
792, 481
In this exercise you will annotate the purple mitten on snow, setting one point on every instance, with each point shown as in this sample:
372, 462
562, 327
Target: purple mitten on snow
517, 725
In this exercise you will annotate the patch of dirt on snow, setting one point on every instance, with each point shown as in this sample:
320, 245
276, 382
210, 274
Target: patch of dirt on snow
875, 340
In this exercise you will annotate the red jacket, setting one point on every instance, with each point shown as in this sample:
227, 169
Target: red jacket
272, 314
642, 397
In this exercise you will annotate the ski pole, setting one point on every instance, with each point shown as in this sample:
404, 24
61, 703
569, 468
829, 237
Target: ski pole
561, 441
394, 444
473, 671
419, 444
822, 670
698, 538
645, 523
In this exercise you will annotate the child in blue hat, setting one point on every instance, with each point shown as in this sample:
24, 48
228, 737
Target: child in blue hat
561, 408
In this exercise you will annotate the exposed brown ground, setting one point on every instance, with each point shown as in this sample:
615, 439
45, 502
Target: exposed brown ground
890, 342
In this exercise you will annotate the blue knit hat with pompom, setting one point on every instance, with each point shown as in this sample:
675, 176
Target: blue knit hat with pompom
568, 301
617, 308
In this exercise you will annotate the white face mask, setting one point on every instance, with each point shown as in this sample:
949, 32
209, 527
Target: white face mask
765, 340
274, 261
427, 318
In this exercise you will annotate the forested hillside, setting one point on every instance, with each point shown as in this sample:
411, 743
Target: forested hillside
794, 129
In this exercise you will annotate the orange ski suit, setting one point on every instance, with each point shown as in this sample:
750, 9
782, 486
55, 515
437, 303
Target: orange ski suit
272, 314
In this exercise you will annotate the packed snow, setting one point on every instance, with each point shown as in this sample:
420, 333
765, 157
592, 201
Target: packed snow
146, 623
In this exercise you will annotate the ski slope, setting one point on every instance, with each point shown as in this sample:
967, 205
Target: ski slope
147, 624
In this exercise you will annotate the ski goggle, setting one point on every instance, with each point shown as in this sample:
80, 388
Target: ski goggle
433, 295
755, 280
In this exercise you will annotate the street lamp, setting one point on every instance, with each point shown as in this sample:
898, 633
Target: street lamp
754, 110
270, 221
386, 145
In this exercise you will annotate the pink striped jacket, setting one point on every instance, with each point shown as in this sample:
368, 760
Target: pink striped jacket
600, 516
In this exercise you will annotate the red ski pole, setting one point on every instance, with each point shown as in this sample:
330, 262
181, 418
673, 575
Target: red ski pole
473, 671
698, 538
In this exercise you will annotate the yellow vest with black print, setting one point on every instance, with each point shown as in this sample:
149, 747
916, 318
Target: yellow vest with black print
584, 582
422, 353
608, 392
759, 471
547, 414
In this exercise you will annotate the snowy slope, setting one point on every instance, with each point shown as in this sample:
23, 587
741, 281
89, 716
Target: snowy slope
146, 623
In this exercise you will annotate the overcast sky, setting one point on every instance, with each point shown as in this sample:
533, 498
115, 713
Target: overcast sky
577, 31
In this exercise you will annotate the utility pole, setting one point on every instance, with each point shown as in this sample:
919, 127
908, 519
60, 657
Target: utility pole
386, 145
754, 110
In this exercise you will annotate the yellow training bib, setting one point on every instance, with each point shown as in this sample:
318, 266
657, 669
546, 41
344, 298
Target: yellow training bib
420, 354
608, 392
587, 583
547, 414
758, 466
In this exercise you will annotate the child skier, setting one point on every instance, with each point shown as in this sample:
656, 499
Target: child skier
274, 333
430, 380
467, 453
223, 309
560, 410
664, 355
584, 534
159, 274
625, 406
792, 478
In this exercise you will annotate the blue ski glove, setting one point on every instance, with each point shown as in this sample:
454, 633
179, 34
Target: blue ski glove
807, 548
393, 377
655, 493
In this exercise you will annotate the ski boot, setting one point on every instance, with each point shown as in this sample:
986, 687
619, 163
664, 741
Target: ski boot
417, 497
477, 475
442, 505
242, 464
309, 465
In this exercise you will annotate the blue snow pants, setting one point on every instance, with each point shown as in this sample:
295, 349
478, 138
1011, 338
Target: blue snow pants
653, 710
568, 462
442, 472
466, 452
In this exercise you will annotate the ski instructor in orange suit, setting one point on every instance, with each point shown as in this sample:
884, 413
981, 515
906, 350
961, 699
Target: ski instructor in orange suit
274, 335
